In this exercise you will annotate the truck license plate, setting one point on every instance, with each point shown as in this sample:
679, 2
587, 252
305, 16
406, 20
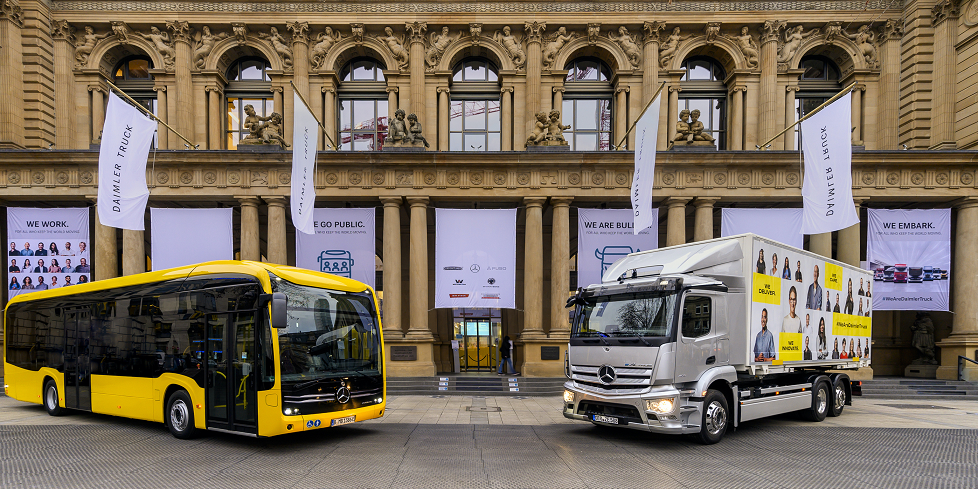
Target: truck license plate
346, 420
605, 419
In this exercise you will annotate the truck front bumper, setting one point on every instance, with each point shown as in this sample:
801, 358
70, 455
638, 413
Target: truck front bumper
631, 410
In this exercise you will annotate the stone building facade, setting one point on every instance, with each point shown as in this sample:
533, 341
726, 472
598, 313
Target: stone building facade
475, 73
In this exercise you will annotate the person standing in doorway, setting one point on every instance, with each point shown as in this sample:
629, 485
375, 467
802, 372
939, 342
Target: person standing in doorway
506, 357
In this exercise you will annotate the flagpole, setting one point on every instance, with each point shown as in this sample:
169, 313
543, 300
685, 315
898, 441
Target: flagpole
147, 112
799, 121
321, 126
656, 94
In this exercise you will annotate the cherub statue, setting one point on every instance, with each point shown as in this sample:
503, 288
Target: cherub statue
683, 132
512, 44
161, 41
205, 44
669, 47
696, 128
792, 40
555, 128
747, 46
86, 47
397, 131
540, 130
439, 43
414, 130
395, 44
271, 131
324, 41
253, 122
628, 45
554, 44
280, 45
864, 39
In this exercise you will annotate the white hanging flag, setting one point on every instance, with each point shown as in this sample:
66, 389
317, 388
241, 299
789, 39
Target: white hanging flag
305, 139
126, 138
827, 190
646, 135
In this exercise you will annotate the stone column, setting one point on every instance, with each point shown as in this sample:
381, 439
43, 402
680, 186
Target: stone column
534, 37
300, 56
533, 269
133, 252
849, 240
650, 59
559, 100
12, 87
821, 244
250, 245
676, 220
416, 34
64, 104
944, 87
98, 111
559, 267
329, 115
768, 117
106, 251
278, 102
184, 120
162, 133
889, 85
215, 121
278, 252
444, 111
672, 114
789, 117
964, 280
392, 268
507, 118
703, 218
621, 116
418, 328
737, 118
857, 114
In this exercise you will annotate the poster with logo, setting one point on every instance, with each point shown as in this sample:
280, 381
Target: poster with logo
174, 243
475, 258
606, 235
344, 244
781, 225
48, 248
909, 253
806, 309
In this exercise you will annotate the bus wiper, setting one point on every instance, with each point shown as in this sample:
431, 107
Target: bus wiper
307, 384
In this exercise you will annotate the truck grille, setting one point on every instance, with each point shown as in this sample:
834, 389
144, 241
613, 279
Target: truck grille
625, 378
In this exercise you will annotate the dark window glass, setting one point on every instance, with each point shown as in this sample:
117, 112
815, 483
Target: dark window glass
696, 316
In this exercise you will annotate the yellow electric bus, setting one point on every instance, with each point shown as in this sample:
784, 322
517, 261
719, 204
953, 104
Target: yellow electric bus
233, 346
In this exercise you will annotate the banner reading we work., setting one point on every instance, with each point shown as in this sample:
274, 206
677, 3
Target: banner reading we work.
47, 248
605, 236
909, 252
343, 244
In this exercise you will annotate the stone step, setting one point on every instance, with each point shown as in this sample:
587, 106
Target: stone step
480, 385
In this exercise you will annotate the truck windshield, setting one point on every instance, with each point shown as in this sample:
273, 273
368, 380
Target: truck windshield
646, 314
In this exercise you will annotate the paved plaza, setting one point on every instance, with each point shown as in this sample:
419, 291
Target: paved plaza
506, 442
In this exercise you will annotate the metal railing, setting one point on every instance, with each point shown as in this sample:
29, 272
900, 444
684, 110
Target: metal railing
961, 360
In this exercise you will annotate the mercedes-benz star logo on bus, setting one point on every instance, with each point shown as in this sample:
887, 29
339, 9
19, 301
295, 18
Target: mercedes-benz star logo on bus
474, 268
606, 374
342, 395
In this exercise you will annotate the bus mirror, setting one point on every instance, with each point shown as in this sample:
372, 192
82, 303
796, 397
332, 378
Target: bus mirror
279, 316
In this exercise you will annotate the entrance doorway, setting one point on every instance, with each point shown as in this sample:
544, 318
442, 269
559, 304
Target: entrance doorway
478, 339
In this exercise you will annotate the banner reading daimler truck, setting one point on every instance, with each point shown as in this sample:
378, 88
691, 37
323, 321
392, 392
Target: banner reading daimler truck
909, 253
475, 258
47, 248
605, 236
343, 245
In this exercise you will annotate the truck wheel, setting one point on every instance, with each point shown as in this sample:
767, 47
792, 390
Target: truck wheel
180, 415
714, 423
838, 398
821, 398
51, 399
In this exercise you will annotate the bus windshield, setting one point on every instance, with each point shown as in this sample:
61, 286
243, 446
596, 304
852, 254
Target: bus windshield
645, 314
330, 334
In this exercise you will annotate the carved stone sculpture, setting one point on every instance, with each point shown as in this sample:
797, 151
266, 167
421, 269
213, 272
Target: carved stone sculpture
747, 46
271, 131
405, 136
356, 32
712, 32
205, 44
554, 45
414, 131
833, 31
593, 32
682, 127
792, 41
252, 123
280, 45
690, 135
438, 43
475, 30
324, 41
397, 131
89, 40
865, 39
696, 128
540, 129
547, 133
669, 47
513, 46
121, 31
923, 339
555, 130
627, 43
240, 32
161, 40
395, 44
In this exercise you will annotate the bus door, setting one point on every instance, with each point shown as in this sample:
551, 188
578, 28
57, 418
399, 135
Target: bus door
231, 353
78, 363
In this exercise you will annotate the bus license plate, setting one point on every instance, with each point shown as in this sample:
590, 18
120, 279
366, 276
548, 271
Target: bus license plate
605, 419
346, 420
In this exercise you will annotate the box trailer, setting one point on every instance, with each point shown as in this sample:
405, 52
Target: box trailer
697, 338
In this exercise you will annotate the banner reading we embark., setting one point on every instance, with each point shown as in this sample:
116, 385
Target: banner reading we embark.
605, 236
47, 248
909, 252
475, 258
343, 244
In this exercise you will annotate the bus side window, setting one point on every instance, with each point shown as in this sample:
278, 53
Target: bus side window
267, 352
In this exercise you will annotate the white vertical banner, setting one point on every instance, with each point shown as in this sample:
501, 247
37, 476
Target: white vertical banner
646, 135
343, 244
827, 189
47, 248
781, 225
182, 237
909, 253
605, 236
475, 258
305, 138
122, 192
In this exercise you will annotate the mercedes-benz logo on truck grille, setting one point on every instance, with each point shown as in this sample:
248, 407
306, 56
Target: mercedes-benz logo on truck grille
342, 395
607, 374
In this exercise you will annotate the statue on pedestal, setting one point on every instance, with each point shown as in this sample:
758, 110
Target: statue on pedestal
414, 131
690, 131
405, 136
262, 131
547, 133
923, 339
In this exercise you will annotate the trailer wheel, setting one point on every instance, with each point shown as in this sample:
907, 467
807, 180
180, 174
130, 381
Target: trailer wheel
51, 399
715, 416
821, 398
180, 415
838, 397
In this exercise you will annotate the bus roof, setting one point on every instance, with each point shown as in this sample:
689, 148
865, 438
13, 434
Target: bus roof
293, 274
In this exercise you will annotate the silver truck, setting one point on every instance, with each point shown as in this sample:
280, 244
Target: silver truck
697, 338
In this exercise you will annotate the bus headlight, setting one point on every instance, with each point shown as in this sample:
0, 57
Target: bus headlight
291, 411
661, 406
568, 396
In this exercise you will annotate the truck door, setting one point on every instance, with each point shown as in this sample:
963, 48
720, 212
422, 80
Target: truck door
696, 348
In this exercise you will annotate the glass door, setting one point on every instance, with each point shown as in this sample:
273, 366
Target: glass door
477, 349
231, 395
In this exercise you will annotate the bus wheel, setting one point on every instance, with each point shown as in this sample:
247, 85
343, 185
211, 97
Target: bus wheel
51, 399
714, 422
820, 402
838, 397
180, 415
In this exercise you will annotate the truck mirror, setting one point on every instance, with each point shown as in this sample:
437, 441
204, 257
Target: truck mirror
279, 317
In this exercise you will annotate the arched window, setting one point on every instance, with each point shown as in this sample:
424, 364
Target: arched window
248, 85
818, 83
363, 111
133, 77
587, 105
474, 121
703, 89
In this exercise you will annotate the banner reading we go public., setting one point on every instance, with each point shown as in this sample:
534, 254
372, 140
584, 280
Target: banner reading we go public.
344, 244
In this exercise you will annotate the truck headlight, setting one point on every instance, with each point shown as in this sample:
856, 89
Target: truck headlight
661, 406
568, 396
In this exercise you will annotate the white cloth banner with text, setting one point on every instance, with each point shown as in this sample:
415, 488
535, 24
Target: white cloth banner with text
781, 225
48, 248
605, 236
646, 139
343, 244
305, 139
827, 189
475, 258
122, 192
182, 237
909, 252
